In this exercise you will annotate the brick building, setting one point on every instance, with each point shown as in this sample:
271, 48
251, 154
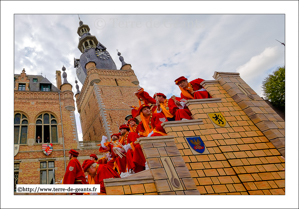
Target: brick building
245, 155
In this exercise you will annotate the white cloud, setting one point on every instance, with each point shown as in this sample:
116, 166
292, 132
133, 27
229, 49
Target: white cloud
259, 64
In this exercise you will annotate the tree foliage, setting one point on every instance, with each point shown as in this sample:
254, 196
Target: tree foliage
274, 87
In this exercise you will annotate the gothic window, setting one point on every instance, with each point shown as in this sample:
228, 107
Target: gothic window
90, 42
47, 172
16, 175
22, 86
86, 44
45, 87
46, 128
20, 128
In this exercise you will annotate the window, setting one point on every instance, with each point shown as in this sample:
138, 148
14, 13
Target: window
20, 129
46, 128
34, 80
16, 175
22, 87
47, 172
45, 87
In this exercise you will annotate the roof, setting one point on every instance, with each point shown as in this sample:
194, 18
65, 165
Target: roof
40, 80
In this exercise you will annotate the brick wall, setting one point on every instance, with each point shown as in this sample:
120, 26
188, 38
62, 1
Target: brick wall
104, 100
240, 159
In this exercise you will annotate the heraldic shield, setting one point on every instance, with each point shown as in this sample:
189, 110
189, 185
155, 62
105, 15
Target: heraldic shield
47, 148
218, 119
197, 144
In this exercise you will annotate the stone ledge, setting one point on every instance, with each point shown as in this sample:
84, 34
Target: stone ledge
225, 74
143, 177
209, 82
203, 101
182, 123
143, 140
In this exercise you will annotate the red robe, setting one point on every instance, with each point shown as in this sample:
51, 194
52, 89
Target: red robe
199, 91
104, 172
156, 121
74, 173
115, 162
135, 157
179, 113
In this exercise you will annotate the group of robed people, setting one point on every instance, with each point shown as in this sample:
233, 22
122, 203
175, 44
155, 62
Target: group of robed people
122, 153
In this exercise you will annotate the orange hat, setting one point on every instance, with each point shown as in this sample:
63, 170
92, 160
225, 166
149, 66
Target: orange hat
141, 107
159, 94
94, 156
74, 152
124, 127
86, 164
182, 78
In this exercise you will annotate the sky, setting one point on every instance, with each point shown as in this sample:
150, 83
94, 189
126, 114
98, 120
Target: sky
225, 36
160, 48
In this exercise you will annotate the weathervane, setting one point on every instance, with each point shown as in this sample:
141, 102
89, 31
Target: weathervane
280, 42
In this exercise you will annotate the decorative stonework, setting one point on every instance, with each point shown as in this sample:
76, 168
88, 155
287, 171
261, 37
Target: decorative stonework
171, 176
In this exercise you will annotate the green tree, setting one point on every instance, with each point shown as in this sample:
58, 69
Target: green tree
274, 87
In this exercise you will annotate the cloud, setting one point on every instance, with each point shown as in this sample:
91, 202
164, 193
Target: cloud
259, 64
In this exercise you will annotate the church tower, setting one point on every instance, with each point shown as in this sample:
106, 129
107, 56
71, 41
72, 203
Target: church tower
103, 102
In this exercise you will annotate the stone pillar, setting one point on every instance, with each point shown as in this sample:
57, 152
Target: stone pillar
260, 113
171, 176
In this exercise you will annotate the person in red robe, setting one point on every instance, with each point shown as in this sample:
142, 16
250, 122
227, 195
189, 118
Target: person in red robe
99, 172
192, 89
114, 156
151, 123
74, 173
93, 157
170, 109
145, 98
132, 124
135, 158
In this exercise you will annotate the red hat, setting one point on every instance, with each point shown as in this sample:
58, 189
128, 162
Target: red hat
118, 134
124, 126
159, 94
141, 107
134, 119
74, 152
86, 164
182, 78
94, 156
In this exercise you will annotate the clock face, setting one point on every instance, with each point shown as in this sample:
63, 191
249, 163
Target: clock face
104, 55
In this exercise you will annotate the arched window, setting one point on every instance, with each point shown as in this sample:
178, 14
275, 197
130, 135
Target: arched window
86, 43
20, 128
90, 42
46, 128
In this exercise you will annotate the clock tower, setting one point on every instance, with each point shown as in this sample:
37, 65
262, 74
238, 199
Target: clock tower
92, 51
103, 102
